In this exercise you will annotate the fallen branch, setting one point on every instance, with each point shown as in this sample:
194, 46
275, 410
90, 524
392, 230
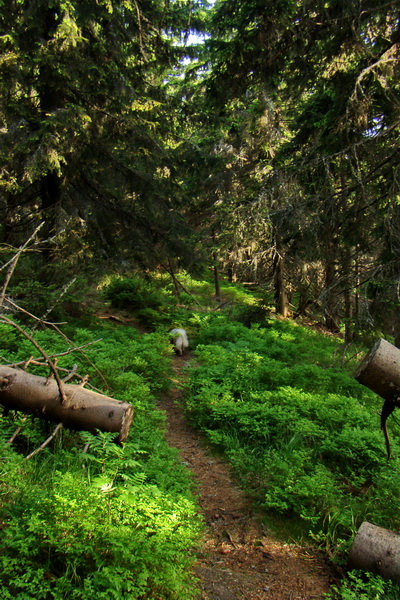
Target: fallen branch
16, 432
15, 306
61, 293
376, 550
12, 263
45, 443
71, 374
177, 282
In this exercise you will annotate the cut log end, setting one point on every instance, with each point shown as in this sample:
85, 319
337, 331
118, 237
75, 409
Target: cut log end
126, 424
367, 360
380, 371
376, 550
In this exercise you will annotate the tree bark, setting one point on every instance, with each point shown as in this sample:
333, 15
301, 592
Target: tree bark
281, 296
332, 319
216, 278
376, 550
82, 409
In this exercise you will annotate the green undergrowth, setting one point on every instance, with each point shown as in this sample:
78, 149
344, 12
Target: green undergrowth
360, 585
301, 433
115, 521
277, 399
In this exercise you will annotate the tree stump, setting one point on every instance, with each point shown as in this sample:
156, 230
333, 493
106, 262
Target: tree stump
80, 409
377, 550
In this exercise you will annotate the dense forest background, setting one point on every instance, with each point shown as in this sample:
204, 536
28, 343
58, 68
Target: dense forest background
213, 166
267, 150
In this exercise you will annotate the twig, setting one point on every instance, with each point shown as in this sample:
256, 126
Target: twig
35, 361
84, 381
45, 443
71, 374
12, 263
54, 326
107, 385
14, 305
16, 432
27, 363
175, 279
227, 302
60, 295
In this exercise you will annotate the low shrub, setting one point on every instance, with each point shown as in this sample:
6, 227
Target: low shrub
134, 293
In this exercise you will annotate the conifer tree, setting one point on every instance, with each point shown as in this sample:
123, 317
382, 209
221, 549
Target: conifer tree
86, 142
326, 182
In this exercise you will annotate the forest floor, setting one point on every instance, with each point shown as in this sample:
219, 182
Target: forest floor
239, 559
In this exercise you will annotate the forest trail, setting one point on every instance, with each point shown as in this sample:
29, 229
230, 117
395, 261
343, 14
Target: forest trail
239, 560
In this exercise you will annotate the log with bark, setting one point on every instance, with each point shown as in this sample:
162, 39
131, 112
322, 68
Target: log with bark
74, 406
376, 550
380, 372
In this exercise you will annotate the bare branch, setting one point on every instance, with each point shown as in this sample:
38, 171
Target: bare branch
20, 309
42, 352
12, 263
35, 361
60, 295
45, 443
71, 374
16, 432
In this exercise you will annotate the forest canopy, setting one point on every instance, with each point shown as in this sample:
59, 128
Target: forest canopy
267, 150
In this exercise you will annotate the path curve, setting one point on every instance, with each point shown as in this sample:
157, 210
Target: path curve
238, 559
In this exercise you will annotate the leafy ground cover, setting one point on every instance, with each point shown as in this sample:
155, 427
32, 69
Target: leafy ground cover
300, 431
277, 399
115, 522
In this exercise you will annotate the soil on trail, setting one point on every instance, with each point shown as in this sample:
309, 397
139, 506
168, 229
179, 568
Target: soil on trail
239, 559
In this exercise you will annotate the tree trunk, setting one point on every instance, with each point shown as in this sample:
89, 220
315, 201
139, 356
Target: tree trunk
81, 409
303, 290
232, 276
376, 550
174, 280
332, 319
216, 279
281, 296
348, 296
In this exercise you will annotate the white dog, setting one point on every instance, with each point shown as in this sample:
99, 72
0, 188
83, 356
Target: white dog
180, 340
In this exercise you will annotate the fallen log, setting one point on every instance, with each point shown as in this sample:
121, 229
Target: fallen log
77, 408
376, 550
380, 372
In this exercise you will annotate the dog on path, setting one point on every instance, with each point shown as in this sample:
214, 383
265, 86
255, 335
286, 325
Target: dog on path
180, 340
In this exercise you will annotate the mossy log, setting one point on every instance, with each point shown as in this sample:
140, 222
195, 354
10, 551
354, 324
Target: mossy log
376, 550
77, 407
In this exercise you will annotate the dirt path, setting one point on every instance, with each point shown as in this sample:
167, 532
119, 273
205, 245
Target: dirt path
239, 560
